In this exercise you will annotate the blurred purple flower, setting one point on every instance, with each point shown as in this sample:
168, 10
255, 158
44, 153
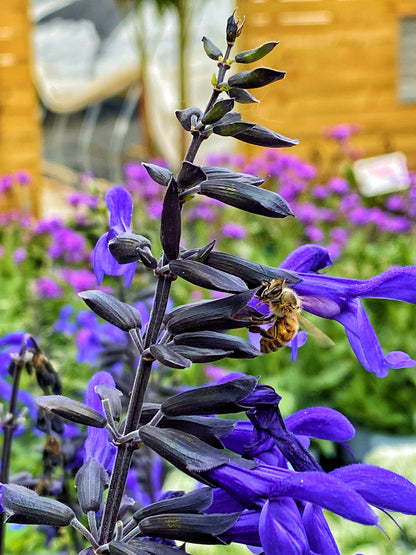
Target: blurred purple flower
314, 233
154, 209
234, 231
6, 183
338, 185
201, 212
64, 324
79, 280
320, 191
68, 244
19, 255
48, 225
120, 205
23, 177
47, 288
79, 198
342, 132
396, 203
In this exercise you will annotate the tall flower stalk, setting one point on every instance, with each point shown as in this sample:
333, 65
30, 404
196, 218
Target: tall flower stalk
261, 485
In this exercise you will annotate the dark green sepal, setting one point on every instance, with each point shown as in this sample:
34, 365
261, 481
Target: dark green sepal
249, 56
241, 95
211, 50
206, 428
190, 175
158, 173
211, 399
109, 308
220, 108
207, 277
248, 197
202, 529
71, 410
199, 255
231, 129
255, 78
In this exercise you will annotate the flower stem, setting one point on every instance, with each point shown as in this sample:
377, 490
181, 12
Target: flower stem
125, 452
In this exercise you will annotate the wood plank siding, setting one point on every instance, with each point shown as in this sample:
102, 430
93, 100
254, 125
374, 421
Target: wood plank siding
345, 62
20, 137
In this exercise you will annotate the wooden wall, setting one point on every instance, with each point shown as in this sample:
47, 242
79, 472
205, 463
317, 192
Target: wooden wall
342, 64
20, 138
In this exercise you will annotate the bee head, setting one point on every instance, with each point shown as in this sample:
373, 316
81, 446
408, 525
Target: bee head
271, 290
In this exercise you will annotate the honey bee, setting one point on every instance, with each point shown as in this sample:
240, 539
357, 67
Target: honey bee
285, 306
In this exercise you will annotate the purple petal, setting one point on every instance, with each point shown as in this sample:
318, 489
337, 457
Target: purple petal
120, 205
320, 423
281, 529
380, 487
327, 492
307, 258
298, 341
319, 535
399, 359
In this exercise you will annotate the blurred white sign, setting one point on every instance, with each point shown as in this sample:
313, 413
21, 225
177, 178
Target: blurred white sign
382, 174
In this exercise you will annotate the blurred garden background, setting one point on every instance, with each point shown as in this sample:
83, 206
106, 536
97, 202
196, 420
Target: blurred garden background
88, 92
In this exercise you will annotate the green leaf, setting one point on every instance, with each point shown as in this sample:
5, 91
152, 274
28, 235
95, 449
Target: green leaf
211, 50
255, 78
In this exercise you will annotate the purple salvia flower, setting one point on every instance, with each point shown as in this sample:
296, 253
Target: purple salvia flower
120, 205
234, 231
339, 299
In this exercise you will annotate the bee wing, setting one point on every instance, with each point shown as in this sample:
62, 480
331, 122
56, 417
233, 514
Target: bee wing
320, 306
322, 339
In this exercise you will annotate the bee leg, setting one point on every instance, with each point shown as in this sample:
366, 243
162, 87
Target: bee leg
262, 332
263, 319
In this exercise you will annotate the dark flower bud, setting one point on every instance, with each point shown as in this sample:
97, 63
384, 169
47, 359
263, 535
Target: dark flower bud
169, 357
206, 428
261, 136
130, 247
90, 481
198, 254
237, 346
170, 226
212, 399
158, 173
24, 506
255, 78
211, 50
187, 452
113, 396
233, 29
71, 410
249, 198
204, 276
249, 56
146, 547
197, 354
251, 272
220, 108
185, 116
109, 308
194, 502
204, 315
220, 175
189, 528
